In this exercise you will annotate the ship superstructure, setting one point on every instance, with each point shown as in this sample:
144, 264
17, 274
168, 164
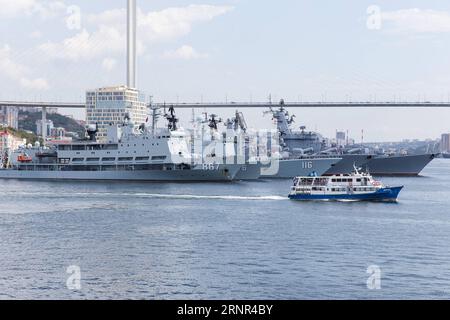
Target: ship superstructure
258, 149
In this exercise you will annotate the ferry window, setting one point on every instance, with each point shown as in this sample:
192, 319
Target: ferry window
77, 159
78, 147
64, 148
64, 161
333, 180
109, 159
93, 159
126, 159
358, 180
142, 158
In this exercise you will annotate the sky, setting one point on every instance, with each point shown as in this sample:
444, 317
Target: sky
243, 51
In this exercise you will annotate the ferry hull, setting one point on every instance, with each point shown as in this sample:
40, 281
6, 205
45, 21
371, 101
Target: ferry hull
223, 173
388, 194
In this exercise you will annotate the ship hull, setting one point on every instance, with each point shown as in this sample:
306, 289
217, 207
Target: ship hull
222, 173
250, 171
347, 164
383, 166
291, 168
385, 194
398, 165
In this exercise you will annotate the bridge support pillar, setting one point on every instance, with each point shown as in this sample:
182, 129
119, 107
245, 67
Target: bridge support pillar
44, 125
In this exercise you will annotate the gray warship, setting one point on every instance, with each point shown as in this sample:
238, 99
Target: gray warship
299, 143
258, 166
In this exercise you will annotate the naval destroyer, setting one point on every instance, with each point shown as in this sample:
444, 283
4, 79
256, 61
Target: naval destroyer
299, 143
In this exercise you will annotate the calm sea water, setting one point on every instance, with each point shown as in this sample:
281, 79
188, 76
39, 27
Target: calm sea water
220, 241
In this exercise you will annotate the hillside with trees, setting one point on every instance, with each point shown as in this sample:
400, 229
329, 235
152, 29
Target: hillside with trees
30, 137
28, 122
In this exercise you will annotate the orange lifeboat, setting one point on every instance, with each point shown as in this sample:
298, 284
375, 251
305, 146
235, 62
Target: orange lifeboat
24, 158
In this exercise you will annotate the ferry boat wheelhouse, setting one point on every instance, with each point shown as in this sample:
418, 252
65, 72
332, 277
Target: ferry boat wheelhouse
355, 186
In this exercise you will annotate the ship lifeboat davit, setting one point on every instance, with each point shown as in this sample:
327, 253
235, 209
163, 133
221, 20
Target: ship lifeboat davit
24, 158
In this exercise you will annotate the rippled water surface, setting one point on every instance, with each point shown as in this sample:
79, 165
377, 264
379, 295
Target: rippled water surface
217, 241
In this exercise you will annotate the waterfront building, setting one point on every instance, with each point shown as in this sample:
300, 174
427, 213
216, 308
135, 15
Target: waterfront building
340, 138
445, 142
9, 117
9, 142
110, 105
49, 127
58, 132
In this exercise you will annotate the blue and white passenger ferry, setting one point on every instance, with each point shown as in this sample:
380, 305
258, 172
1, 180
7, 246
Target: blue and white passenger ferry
355, 186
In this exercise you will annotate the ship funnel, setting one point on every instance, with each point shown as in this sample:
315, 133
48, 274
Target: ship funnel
131, 44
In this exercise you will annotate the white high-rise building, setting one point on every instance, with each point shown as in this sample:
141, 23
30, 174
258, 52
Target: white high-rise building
9, 117
111, 105
445, 142
49, 126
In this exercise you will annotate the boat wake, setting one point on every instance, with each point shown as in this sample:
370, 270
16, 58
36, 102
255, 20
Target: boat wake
152, 195
206, 197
